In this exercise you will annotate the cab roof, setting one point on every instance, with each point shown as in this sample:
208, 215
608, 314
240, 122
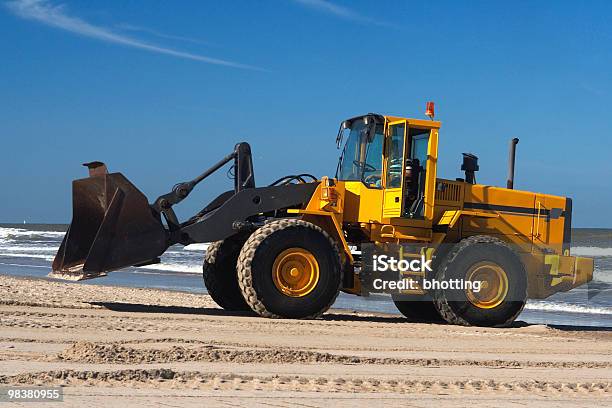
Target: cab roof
388, 118
415, 122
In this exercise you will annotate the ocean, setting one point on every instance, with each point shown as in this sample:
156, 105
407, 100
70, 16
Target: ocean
29, 249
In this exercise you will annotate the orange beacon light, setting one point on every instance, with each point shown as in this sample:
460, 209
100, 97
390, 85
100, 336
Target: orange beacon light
430, 110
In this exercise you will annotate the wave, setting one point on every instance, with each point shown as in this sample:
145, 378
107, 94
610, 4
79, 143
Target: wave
567, 308
591, 251
20, 234
26, 265
23, 255
32, 248
602, 276
196, 247
172, 267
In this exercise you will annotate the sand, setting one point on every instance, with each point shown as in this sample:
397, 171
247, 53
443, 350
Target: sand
115, 346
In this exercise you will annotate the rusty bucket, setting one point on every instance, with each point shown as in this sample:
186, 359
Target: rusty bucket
112, 227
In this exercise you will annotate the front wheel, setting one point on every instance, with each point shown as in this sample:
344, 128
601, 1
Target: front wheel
501, 294
289, 268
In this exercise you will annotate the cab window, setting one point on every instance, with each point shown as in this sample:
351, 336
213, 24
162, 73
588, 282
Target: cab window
395, 154
415, 172
361, 158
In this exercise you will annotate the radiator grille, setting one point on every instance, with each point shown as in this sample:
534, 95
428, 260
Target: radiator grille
448, 191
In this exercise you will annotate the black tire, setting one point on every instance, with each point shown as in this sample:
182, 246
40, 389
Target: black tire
421, 308
220, 276
255, 269
417, 308
454, 305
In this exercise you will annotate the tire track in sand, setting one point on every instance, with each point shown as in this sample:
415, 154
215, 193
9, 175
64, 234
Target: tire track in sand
96, 353
167, 378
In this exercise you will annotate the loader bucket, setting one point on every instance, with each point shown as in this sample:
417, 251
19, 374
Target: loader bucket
112, 227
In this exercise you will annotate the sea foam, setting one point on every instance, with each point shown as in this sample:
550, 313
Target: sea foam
567, 308
591, 251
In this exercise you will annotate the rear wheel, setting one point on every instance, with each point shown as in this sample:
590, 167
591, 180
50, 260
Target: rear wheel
503, 289
289, 268
220, 277
417, 308
420, 308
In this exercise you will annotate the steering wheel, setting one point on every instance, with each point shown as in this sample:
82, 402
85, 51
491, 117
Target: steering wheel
372, 180
364, 165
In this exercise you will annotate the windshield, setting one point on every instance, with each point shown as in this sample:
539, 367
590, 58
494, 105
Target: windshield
361, 159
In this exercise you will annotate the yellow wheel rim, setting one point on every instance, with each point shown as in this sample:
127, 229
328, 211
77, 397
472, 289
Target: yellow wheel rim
494, 286
295, 272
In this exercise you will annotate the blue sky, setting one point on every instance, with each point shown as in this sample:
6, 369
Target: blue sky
162, 90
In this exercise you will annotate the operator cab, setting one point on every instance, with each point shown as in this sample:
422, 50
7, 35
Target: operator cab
362, 156
391, 154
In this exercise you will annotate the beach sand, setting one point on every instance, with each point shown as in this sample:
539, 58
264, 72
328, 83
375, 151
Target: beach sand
117, 346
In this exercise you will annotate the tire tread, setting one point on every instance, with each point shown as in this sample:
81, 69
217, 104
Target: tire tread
216, 280
439, 296
245, 259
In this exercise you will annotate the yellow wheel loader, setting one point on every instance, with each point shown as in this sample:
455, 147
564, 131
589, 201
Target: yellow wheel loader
288, 249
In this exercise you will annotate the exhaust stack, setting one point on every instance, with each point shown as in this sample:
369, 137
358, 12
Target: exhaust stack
511, 160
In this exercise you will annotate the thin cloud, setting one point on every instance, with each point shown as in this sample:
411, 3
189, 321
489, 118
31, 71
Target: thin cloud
159, 34
55, 16
341, 11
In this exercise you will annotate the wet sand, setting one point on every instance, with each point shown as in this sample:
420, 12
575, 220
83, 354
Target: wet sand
111, 346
